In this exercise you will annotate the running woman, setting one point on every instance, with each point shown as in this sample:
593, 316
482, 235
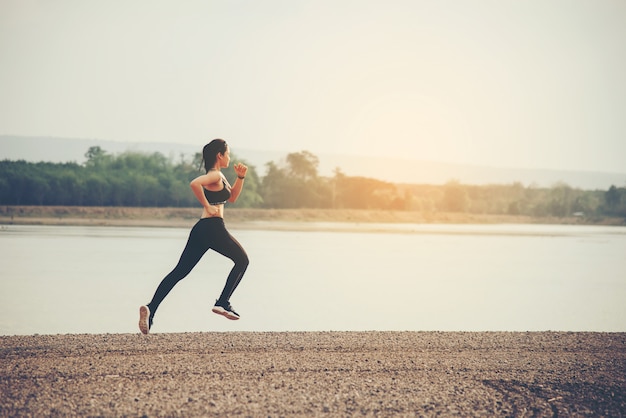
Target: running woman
212, 191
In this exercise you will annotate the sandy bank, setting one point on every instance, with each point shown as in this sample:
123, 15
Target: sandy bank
258, 218
313, 374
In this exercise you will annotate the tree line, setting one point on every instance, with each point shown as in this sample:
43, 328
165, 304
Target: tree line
152, 180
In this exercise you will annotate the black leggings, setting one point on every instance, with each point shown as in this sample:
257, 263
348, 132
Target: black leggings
207, 233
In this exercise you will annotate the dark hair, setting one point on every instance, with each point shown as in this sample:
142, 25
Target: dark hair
210, 151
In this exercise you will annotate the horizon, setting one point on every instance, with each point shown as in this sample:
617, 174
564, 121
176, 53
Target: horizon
529, 85
395, 169
131, 146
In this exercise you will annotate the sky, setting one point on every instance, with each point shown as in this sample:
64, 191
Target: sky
522, 84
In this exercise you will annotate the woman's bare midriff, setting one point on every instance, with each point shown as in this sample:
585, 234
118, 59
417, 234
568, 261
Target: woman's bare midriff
219, 214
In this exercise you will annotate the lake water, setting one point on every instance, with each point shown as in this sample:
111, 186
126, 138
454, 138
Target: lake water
57, 279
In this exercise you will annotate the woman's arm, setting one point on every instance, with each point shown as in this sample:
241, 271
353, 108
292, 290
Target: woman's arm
235, 191
197, 186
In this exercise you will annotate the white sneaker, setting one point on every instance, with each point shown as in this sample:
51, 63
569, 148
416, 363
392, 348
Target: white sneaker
226, 310
145, 322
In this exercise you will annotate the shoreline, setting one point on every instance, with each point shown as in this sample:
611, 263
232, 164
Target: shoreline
372, 373
305, 219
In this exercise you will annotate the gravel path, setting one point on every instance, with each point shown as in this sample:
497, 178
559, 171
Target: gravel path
315, 373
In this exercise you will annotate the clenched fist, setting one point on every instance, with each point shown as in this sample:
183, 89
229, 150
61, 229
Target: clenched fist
241, 170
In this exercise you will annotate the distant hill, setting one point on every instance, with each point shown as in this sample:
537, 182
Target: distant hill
397, 170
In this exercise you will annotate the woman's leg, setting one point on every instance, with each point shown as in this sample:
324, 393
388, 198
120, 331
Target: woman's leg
229, 247
197, 244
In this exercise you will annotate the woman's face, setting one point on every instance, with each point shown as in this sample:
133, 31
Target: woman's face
224, 158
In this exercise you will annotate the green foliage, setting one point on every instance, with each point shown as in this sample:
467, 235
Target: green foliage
558, 201
128, 179
455, 198
365, 193
136, 179
615, 201
295, 184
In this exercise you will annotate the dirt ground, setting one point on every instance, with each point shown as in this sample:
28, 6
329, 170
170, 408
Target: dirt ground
315, 374
259, 218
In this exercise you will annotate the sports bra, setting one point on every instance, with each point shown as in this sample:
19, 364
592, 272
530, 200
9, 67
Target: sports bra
220, 197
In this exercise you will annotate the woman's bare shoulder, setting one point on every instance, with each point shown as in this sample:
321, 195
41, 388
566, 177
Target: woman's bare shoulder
207, 179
